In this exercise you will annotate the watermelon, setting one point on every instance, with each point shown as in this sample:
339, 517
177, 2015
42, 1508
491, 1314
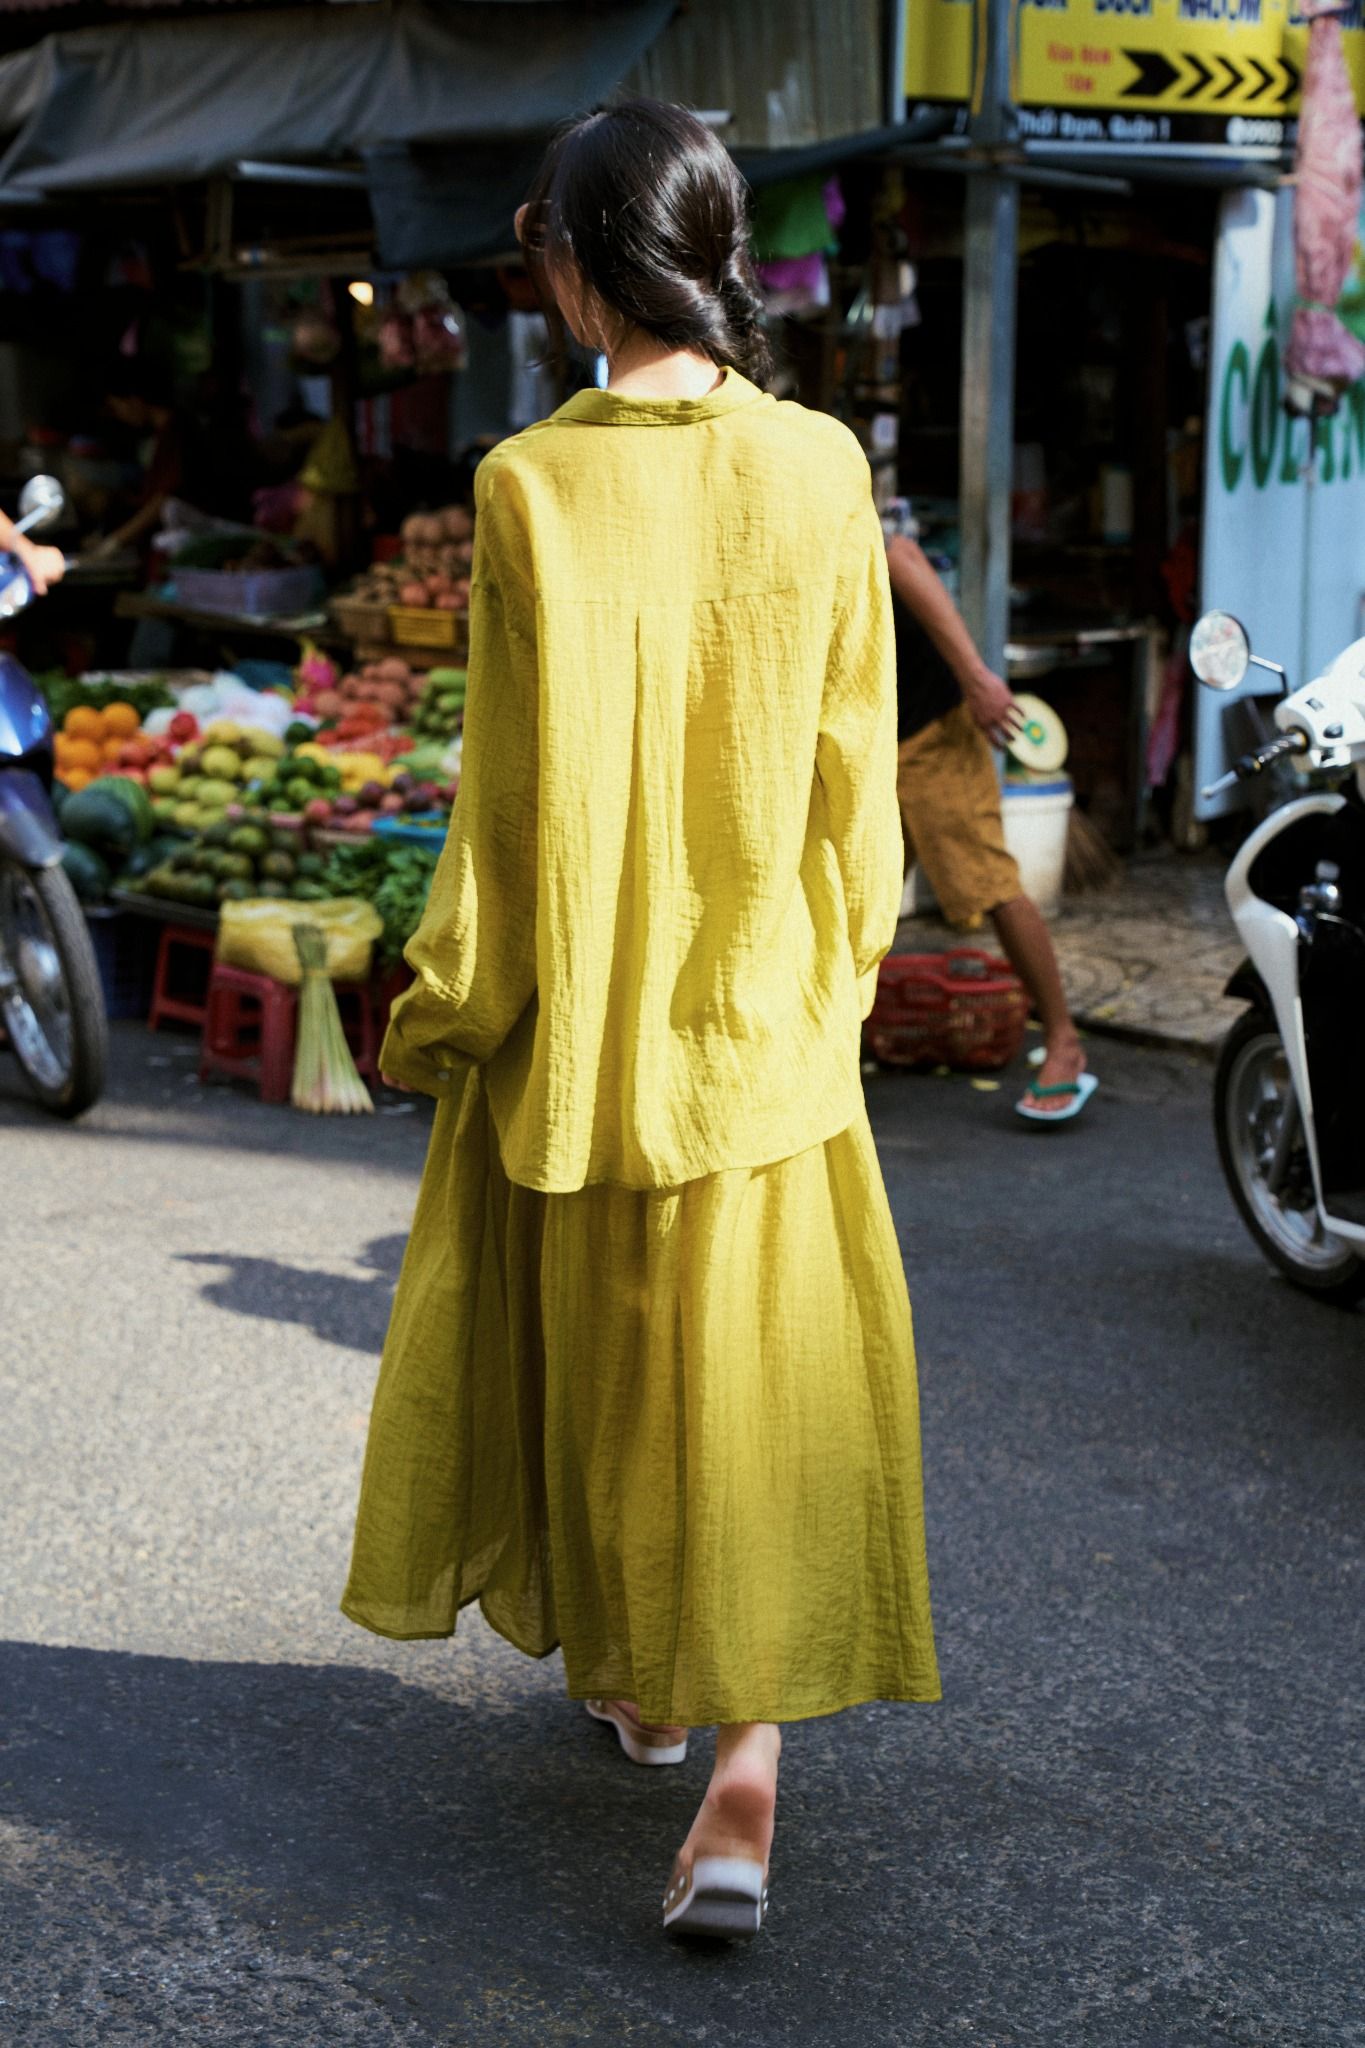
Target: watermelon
100, 818
135, 797
86, 872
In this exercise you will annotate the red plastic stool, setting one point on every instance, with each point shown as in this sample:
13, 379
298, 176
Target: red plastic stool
249, 1031
176, 993
358, 1003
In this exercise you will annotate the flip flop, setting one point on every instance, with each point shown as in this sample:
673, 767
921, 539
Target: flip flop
1082, 1088
723, 1897
641, 1745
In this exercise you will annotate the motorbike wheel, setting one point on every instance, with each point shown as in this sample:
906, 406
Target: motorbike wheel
1251, 1094
51, 1002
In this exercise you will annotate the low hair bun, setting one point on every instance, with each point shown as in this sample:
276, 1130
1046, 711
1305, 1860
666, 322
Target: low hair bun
651, 210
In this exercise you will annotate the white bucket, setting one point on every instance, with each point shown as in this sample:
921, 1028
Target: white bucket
1036, 812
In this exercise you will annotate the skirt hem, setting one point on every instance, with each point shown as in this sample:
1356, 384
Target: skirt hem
904, 1693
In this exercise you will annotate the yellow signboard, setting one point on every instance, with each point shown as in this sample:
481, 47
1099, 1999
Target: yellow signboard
1233, 62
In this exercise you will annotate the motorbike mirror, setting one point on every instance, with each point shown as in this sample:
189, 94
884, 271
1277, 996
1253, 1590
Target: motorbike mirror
1220, 651
41, 501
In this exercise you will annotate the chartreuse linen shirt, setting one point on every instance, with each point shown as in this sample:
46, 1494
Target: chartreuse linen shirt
675, 859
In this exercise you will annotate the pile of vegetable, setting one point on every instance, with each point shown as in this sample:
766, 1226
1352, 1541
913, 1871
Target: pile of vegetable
395, 878
383, 795
215, 770
381, 694
326, 1079
439, 711
433, 570
235, 863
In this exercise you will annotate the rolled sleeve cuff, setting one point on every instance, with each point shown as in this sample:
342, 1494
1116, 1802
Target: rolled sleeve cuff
430, 1069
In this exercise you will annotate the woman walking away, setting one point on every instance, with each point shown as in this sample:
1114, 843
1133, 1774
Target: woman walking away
649, 1387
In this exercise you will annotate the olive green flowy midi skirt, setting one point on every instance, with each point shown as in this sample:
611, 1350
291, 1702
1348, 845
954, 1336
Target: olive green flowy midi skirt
675, 1431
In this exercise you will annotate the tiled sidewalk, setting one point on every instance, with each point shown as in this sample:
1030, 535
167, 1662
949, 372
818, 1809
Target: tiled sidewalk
1150, 956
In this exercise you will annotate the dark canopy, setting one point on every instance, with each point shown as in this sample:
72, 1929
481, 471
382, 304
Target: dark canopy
173, 101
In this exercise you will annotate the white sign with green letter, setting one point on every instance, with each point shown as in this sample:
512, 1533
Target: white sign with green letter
1284, 500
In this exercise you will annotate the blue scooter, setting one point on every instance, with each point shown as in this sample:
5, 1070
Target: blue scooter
51, 1001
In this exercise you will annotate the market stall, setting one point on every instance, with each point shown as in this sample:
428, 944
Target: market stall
205, 820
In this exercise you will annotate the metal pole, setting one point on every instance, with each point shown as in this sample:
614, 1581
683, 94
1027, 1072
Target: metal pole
988, 333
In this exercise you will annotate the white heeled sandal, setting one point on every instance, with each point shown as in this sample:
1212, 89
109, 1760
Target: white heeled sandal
720, 1897
641, 1745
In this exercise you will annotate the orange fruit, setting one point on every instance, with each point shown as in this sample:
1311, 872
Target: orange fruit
111, 748
121, 719
83, 722
77, 778
83, 753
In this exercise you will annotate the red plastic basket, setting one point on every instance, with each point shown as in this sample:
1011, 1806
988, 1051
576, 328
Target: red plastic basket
961, 1008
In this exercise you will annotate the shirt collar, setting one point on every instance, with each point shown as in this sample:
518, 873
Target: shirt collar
611, 409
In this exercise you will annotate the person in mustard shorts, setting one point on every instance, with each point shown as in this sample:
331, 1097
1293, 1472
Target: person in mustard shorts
952, 707
649, 1389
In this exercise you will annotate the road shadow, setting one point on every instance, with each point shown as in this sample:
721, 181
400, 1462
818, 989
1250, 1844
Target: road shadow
335, 1306
491, 1873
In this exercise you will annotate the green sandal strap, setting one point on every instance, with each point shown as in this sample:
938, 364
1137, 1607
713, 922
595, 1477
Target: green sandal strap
1056, 1088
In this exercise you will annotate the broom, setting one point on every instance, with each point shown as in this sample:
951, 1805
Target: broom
326, 1082
1091, 862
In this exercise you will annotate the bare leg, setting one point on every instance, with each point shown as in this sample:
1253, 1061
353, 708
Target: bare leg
737, 1815
1027, 945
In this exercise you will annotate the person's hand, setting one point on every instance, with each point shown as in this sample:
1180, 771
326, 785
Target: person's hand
44, 566
992, 704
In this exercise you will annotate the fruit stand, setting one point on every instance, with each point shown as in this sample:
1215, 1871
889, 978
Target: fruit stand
185, 796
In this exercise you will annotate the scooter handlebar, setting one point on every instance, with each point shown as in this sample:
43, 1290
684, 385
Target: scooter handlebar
1260, 758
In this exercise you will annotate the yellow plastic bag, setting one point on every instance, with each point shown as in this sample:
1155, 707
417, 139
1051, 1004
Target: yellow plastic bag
259, 936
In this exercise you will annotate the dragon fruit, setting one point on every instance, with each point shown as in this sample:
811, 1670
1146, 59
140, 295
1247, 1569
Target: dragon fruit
316, 671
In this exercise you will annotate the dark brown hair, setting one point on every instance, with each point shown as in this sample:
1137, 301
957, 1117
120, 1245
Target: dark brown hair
651, 210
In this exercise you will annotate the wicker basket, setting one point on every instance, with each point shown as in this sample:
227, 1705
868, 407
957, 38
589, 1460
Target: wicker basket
361, 621
414, 626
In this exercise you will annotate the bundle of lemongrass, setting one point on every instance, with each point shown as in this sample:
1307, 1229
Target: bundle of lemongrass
325, 1079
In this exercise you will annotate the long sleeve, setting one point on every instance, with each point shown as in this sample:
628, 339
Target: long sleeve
856, 752
474, 953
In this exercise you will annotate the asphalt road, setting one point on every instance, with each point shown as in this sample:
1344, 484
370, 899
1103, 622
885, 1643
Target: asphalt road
228, 1817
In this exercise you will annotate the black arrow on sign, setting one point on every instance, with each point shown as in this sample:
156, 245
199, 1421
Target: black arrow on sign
1267, 77
1292, 81
1234, 78
1205, 75
1156, 75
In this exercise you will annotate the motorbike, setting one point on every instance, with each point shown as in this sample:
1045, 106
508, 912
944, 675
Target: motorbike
51, 1001
1289, 1094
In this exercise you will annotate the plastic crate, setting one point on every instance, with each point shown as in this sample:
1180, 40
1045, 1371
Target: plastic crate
125, 954
419, 828
961, 1008
249, 594
413, 626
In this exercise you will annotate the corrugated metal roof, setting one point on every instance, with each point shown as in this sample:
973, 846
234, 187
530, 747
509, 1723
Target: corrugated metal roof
788, 73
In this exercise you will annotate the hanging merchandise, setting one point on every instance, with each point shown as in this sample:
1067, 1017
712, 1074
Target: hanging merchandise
795, 229
315, 341
331, 464
1324, 358
422, 330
